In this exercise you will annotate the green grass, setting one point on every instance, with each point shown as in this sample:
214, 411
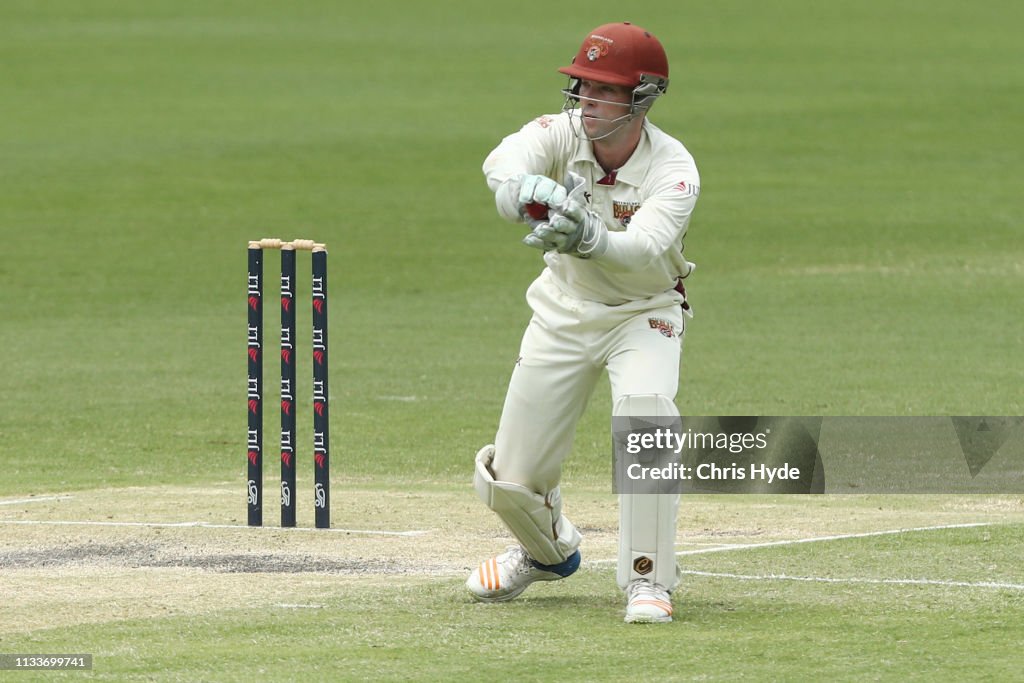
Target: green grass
858, 242
426, 631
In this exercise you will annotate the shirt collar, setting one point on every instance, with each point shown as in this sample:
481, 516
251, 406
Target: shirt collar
632, 173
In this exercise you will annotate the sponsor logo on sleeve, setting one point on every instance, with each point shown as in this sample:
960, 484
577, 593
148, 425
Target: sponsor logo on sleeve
687, 189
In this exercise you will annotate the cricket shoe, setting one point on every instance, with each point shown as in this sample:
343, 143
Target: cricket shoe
648, 603
505, 576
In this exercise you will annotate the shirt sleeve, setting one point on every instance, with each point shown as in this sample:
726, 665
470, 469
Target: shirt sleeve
658, 225
538, 148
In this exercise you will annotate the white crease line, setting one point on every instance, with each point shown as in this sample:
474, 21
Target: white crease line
37, 499
205, 525
288, 605
838, 537
825, 579
813, 539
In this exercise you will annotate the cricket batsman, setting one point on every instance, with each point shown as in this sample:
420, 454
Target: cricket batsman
607, 197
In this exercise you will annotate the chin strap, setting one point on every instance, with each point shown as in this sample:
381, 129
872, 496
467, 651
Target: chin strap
580, 131
644, 94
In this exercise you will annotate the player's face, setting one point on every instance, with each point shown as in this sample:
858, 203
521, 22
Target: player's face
602, 103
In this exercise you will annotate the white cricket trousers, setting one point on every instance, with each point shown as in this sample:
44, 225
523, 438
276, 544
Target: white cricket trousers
564, 349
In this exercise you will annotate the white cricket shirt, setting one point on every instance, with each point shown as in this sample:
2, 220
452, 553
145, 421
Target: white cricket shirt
646, 206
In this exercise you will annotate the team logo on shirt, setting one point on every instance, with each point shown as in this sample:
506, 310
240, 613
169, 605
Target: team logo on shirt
624, 211
663, 326
543, 121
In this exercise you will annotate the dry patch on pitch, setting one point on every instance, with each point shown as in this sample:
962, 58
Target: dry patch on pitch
112, 554
94, 556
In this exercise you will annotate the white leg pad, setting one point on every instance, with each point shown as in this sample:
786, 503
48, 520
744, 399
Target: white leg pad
536, 521
647, 522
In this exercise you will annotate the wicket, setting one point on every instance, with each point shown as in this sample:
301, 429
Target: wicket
321, 421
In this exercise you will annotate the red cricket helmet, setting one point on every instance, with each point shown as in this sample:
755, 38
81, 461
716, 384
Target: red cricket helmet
622, 54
